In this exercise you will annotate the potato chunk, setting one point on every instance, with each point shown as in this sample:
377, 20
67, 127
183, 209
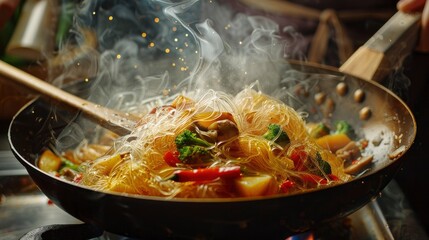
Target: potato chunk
49, 162
255, 185
333, 142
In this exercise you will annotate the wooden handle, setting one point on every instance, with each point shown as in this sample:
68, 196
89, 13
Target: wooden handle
119, 122
386, 49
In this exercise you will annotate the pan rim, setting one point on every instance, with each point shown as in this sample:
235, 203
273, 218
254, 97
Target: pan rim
234, 199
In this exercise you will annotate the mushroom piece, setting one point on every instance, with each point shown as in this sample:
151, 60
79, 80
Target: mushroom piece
209, 135
226, 130
359, 165
349, 152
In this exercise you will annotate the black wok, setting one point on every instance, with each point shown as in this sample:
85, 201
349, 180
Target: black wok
274, 217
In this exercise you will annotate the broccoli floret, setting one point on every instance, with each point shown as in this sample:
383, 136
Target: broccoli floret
319, 130
344, 127
192, 149
276, 133
193, 154
188, 138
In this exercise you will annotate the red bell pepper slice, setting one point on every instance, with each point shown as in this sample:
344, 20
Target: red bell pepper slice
286, 185
333, 177
299, 156
207, 174
78, 178
171, 158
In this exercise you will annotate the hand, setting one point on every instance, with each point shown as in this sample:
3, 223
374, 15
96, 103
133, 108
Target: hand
423, 6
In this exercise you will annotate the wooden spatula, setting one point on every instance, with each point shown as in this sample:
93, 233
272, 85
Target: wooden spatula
116, 121
386, 49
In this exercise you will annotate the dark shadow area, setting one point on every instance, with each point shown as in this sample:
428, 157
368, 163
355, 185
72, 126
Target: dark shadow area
413, 178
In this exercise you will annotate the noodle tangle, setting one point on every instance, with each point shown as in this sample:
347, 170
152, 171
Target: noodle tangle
232, 128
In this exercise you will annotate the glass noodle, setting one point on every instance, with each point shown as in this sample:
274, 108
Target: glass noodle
136, 164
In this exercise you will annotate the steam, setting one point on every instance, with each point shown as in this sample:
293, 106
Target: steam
148, 48
156, 49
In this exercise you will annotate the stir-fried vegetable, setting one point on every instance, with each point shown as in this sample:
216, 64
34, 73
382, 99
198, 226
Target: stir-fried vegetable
192, 149
276, 133
324, 165
333, 142
299, 157
215, 146
172, 158
50, 162
252, 186
193, 154
69, 164
343, 127
319, 130
188, 138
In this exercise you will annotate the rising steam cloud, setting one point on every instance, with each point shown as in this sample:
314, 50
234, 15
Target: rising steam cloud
150, 48
155, 49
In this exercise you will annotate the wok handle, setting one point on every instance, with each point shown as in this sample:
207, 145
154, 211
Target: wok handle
386, 49
118, 122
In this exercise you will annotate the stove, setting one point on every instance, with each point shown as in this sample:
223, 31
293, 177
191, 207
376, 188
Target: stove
26, 213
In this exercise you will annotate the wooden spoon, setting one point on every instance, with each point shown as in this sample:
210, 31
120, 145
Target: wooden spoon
116, 121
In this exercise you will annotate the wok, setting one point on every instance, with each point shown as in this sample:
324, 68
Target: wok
272, 217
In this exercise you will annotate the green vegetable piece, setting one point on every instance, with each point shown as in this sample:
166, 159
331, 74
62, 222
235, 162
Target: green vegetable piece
324, 165
276, 133
188, 138
319, 130
67, 163
193, 154
344, 127
191, 148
